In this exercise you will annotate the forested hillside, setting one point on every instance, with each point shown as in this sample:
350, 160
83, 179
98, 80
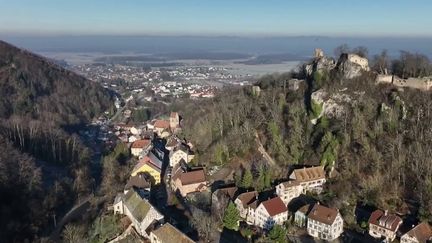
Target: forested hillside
43, 168
378, 148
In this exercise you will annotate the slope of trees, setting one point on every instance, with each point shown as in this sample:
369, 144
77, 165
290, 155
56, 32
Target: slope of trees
43, 168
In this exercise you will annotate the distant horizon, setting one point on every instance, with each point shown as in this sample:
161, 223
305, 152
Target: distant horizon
152, 44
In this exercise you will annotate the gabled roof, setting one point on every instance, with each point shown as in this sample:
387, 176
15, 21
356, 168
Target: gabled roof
155, 164
323, 214
422, 232
247, 198
162, 124
169, 234
141, 143
138, 181
190, 177
385, 220
138, 206
275, 206
309, 174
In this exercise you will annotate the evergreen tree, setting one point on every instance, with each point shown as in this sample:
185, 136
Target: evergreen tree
247, 179
231, 217
278, 234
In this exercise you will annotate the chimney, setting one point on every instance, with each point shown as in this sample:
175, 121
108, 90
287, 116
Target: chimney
385, 212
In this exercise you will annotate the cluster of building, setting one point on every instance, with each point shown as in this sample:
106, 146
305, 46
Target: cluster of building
321, 222
177, 81
159, 163
181, 89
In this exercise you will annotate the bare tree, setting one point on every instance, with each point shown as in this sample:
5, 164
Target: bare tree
381, 62
361, 51
344, 48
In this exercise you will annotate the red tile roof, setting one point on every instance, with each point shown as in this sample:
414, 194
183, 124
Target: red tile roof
141, 143
384, 220
192, 177
275, 206
422, 232
162, 124
323, 214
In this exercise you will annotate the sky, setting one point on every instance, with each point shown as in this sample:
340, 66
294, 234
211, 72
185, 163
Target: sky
350, 18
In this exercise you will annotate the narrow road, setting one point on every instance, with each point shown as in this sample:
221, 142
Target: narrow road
75, 212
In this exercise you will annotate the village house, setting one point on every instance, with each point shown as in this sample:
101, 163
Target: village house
289, 190
174, 121
271, 212
421, 233
186, 181
140, 147
139, 211
140, 182
149, 164
324, 223
172, 142
246, 203
168, 234
384, 225
162, 128
311, 179
179, 153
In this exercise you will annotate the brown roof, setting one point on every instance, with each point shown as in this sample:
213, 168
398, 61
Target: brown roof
162, 124
275, 206
288, 184
247, 198
139, 181
309, 174
229, 191
323, 214
141, 143
422, 232
169, 234
384, 220
192, 177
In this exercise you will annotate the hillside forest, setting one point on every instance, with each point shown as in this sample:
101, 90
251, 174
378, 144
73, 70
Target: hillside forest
377, 152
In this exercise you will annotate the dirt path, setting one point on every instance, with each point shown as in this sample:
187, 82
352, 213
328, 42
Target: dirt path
264, 153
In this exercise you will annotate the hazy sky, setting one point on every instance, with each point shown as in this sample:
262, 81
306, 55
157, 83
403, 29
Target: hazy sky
217, 17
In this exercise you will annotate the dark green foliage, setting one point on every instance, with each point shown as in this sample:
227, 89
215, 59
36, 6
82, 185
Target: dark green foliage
231, 217
278, 234
247, 179
141, 115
